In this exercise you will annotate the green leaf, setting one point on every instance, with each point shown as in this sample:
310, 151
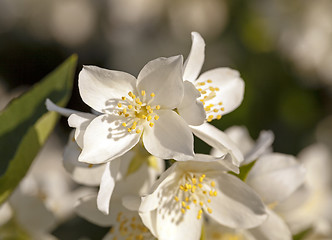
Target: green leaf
244, 170
26, 124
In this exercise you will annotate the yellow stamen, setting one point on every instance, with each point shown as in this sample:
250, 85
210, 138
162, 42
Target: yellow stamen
143, 93
119, 105
124, 124
158, 107
151, 124
152, 94
156, 117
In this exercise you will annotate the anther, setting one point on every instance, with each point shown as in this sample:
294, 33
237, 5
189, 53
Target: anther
151, 124
143, 93
152, 94
119, 105
156, 117
158, 107
124, 124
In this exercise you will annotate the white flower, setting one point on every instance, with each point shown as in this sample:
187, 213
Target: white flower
135, 164
125, 224
275, 177
221, 89
215, 231
186, 190
250, 149
219, 92
133, 109
310, 205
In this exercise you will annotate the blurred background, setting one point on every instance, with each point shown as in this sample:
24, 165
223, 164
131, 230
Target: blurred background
282, 48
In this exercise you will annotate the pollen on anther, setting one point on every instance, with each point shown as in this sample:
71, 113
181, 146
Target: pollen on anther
209, 81
149, 117
158, 107
119, 105
143, 93
183, 210
176, 198
151, 124
213, 184
123, 98
209, 210
156, 117
124, 124
138, 131
152, 94
130, 106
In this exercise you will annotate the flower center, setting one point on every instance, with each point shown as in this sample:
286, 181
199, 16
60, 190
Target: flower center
209, 92
130, 227
197, 190
137, 112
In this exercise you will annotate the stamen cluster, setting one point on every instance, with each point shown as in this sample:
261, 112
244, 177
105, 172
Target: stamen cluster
208, 92
196, 189
137, 111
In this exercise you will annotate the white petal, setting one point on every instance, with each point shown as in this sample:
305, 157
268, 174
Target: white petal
263, 145
87, 208
236, 204
80, 121
219, 140
82, 173
169, 138
107, 185
273, 228
195, 60
163, 77
132, 203
179, 226
105, 139
241, 137
191, 110
5, 213
231, 88
63, 111
206, 163
31, 212
275, 177
151, 200
97, 86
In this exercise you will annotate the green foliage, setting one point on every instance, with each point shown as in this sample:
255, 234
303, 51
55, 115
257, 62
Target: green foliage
26, 124
244, 170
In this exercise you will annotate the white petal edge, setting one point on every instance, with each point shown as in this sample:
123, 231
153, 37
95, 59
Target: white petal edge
262, 145
86, 208
81, 173
80, 122
231, 88
190, 109
169, 138
97, 86
163, 77
236, 205
51, 106
219, 140
273, 228
107, 185
106, 139
195, 60
275, 177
